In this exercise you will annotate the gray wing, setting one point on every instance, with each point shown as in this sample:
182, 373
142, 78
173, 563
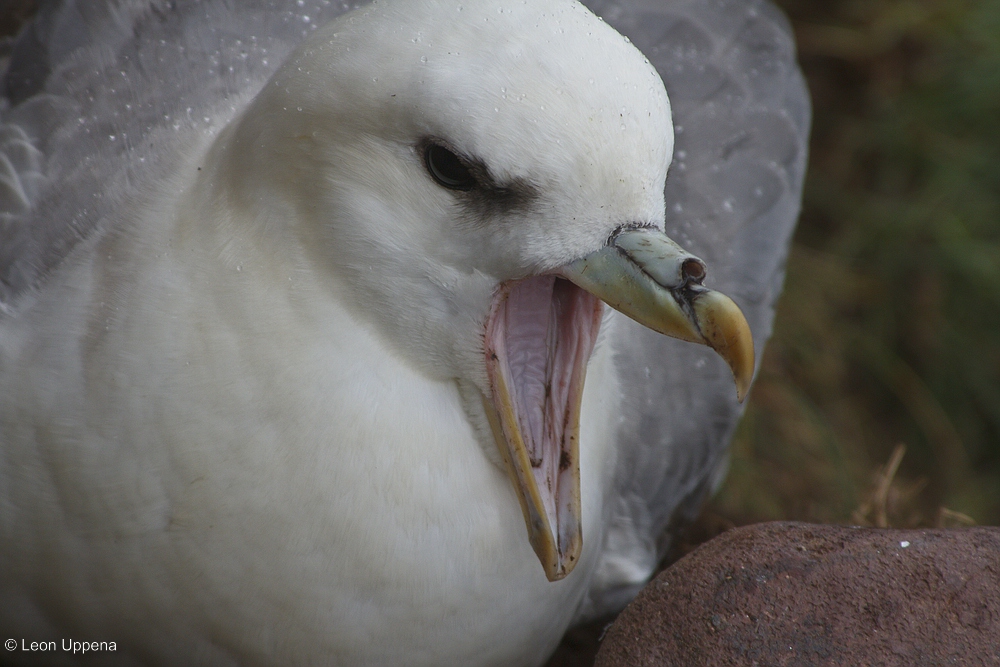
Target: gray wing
741, 115
94, 88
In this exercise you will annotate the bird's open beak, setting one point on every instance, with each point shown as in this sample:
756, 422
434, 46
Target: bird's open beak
645, 275
539, 337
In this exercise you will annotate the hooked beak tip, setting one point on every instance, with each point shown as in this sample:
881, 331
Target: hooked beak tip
726, 331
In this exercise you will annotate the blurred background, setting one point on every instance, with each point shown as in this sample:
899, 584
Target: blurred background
878, 401
887, 338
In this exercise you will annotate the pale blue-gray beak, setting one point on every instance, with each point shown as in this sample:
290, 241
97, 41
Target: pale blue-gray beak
645, 275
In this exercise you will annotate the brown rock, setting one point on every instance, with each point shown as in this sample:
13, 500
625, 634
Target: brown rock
799, 594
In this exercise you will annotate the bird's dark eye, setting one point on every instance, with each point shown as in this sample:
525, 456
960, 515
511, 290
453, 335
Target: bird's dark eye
447, 169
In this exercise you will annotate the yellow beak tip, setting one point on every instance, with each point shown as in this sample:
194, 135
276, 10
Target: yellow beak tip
726, 331
742, 389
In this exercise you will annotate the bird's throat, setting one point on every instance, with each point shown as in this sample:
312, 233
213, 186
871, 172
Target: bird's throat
538, 339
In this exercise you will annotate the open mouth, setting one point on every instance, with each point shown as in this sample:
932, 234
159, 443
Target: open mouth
539, 337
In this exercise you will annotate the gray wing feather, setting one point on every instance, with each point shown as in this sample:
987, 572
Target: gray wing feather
741, 115
94, 89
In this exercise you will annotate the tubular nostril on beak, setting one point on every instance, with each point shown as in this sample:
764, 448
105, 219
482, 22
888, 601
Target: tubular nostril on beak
694, 271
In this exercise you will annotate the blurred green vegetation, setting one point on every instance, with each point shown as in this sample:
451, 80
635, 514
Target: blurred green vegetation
889, 328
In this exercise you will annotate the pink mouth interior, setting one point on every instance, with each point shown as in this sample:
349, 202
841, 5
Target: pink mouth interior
539, 337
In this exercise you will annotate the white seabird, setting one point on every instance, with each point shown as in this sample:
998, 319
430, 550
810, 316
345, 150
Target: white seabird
294, 340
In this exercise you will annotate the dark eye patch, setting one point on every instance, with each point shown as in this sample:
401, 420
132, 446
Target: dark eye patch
447, 168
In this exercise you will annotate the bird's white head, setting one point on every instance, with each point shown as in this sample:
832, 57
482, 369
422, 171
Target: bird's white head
475, 177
